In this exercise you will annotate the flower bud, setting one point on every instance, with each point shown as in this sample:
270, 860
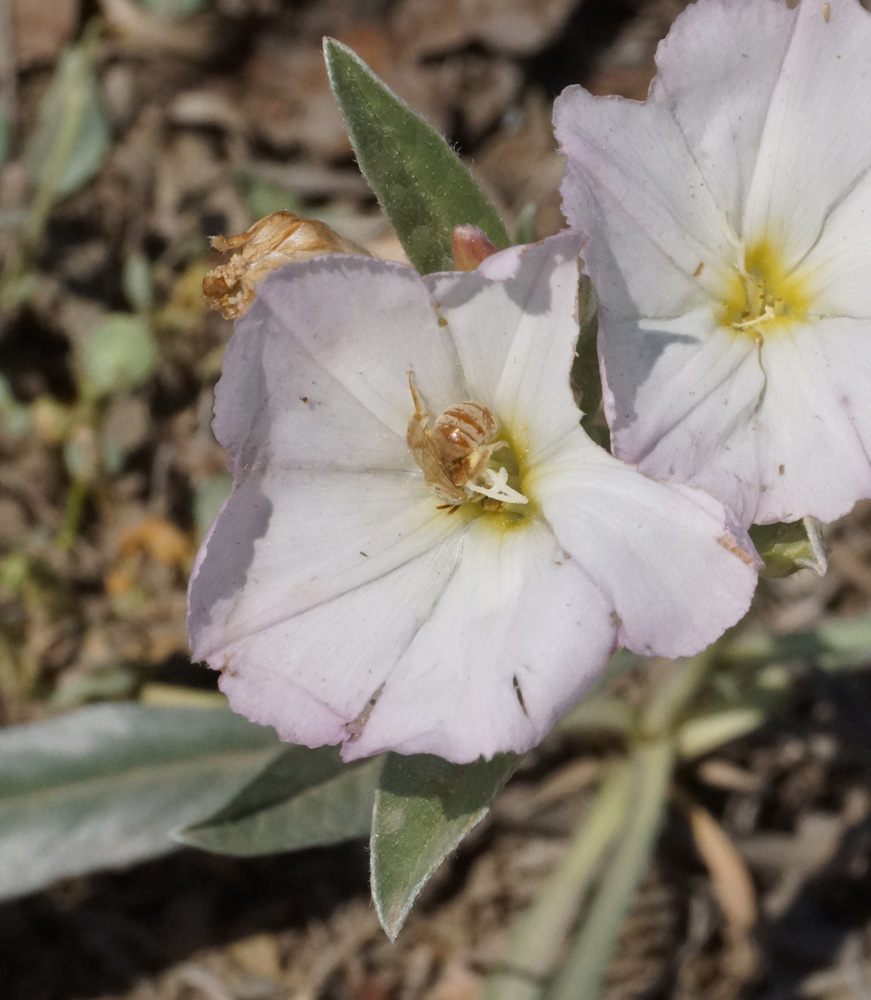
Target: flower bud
470, 245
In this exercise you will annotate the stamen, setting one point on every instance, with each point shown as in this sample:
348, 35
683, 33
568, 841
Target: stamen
768, 313
496, 486
763, 296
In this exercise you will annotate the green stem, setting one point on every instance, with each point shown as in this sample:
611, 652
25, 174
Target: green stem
72, 513
668, 704
599, 713
540, 933
581, 977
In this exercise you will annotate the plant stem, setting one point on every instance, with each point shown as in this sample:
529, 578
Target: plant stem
581, 977
72, 513
663, 714
540, 933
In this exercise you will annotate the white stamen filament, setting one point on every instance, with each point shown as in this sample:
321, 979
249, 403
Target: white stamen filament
766, 315
496, 486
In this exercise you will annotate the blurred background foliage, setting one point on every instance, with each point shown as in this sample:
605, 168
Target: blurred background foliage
131, 131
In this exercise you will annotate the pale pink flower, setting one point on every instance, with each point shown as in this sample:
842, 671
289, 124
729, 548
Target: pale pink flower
341, 600
728, 225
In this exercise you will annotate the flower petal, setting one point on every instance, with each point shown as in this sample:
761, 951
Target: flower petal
771, 108
814, 147
461, 657
844, 361
514, 325
515, 639
290, 540
343, 329
813, 454
771, 430
835, 270
679, 402
674, 570
313, 674
326, 494
633, 174
717, 69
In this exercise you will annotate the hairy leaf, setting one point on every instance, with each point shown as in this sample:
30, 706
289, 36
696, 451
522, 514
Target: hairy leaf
105, 785
303, 798
419, 181
424, 807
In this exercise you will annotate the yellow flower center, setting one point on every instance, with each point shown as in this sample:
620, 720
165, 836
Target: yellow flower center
512, 458
763, 297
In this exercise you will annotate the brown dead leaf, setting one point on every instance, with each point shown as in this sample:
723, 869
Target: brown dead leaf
521, 165
42, 28
196, 38
119, 582
161, 540
258, 955
726, 775
369, 986
284, 94
729, 875
516, 26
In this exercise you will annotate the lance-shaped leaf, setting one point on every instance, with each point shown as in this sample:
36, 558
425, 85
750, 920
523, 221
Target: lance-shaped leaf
72, 135
105, 785
303, 798
419, 181
424, 807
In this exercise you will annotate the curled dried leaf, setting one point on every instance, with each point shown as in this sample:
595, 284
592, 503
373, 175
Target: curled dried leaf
280, 238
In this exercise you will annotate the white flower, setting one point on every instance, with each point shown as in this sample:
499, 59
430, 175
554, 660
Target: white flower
345, 600
729, 241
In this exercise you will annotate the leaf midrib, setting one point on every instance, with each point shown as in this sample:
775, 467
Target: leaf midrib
138, 773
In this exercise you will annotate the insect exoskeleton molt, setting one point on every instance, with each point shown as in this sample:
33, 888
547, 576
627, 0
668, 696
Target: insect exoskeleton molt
454, 452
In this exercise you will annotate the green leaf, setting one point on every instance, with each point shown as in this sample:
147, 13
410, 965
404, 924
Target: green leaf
303, 798
114, 683
420, 182
72, 135
525, 230
120, 354
209, 496
14, 417
105, 785
599, 713
263, 197
174, 8
838, 644
424, 807
787, 548
19, 284
586, 382
137, 282
5, 135
80, 458
704, 733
